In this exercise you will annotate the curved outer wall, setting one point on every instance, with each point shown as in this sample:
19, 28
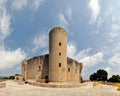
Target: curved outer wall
24, 70
57, 55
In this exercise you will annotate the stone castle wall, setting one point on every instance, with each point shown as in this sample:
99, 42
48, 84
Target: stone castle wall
38, 68
73, 70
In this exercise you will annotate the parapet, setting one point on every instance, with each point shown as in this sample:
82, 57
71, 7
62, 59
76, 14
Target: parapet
58, 29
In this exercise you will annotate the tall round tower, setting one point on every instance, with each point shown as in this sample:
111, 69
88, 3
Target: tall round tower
58, 55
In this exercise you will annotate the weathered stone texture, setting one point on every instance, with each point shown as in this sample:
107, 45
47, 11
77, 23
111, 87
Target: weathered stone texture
58, 55
37, 67
2, 84
55, 66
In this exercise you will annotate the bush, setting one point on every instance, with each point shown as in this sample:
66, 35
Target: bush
5, 78
17, 75
11, 77
114, 78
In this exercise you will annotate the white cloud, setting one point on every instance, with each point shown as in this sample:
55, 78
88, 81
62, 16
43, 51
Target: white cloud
2, 2
8, 58
114, 64
63, 21
36, 4
40, 41
19, 4
109, 71
11, 58
32, 4
71, 50
112, 70
90, 61
69, 12
115, 28
5, 21
95, 9
115, 60
83, 56
65, 17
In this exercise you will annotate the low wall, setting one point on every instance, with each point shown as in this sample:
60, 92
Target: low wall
2, 84
55, 85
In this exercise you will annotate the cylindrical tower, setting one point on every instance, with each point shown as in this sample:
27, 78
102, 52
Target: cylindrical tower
58, 55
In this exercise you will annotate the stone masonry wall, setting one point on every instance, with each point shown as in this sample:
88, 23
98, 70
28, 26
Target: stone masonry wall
73, 70
2, 84
37, 67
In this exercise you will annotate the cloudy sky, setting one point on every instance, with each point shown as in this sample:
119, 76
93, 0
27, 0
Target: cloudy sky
93, 28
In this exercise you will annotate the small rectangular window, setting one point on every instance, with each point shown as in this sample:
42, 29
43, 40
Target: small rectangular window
59, 43
68, 69
39, 68
59, 64
59, 53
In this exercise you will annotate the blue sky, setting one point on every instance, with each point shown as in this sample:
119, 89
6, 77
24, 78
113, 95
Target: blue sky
93, 32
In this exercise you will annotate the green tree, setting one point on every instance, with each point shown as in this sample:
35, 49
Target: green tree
114, 78
101, 75
11, 77
5, 78
17, 74
93, 77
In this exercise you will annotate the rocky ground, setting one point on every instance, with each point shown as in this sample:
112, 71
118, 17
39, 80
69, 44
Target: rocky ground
14, 89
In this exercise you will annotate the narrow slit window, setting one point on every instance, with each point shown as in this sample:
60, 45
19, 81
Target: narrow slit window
60, 44
59, 53
68, 69
39, 68
59, 64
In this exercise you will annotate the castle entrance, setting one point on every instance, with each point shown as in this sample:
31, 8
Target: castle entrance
46, 79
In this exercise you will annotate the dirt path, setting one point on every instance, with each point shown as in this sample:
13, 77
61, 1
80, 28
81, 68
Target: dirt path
14, 89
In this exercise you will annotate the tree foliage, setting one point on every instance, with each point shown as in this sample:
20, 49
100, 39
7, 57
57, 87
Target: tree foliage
93, 77
5, 77
114, 78
100, 75
11, 77
17, 74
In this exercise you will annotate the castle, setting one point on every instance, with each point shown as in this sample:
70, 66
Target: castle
55, 66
